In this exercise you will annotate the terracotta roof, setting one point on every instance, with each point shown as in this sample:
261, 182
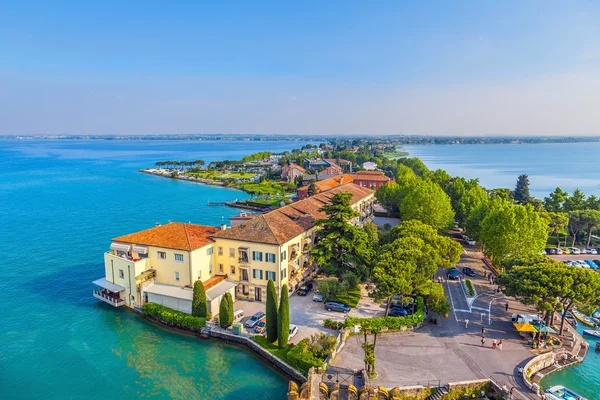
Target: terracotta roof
280, 225
334, 161
329, 183
371, 176
174, 235
213, 281
296, 166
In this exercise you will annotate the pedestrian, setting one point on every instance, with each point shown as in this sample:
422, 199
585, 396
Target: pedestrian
494, 344
500, 344
483, 331
510, 394
506, 306
466, 323
482, 340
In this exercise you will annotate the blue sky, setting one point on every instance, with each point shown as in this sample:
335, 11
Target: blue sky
333, 67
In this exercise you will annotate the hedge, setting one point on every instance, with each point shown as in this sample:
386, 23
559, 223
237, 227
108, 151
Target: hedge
393, 323
302, 358
173, 318
470, 287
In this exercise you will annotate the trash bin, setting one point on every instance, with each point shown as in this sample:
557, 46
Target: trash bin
238, 329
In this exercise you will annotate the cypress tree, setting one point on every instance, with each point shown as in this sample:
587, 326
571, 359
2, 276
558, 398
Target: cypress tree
283, 318
229, 308
225, 318
271, 312
199, 303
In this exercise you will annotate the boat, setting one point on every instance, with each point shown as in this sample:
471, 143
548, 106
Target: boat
590, 332
596, 314
561, 392
584, 319
597, 346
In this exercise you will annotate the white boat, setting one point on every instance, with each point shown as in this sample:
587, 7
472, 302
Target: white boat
591, 332
561, 392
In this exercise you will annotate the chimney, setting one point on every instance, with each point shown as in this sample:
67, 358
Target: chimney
223, 227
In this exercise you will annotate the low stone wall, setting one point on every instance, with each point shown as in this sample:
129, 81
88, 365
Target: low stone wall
288, 370
534, 365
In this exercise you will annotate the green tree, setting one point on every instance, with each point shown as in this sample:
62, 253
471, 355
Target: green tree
556, 200
577, 223
471, 199
428, 203
575, 202
226, 310
436, 299
502, 193
312, 188
372, 233
271, 312
283, 318
591, 220
510, 231
341, 245
522, 195
351, 279
557, 223
389, 196
199, 303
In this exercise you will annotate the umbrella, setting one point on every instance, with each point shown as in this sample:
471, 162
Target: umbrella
545, 329
525, 328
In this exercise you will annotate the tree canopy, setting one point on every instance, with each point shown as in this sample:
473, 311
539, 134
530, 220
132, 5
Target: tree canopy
428, 203
521, 194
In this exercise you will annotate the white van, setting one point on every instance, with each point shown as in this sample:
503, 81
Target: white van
238, 315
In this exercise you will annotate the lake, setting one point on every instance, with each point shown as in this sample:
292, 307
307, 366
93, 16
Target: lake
61, 202
567, 165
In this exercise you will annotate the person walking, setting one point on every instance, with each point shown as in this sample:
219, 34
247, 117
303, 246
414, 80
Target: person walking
466, 323
483, 331
483, 340
506, 306
494, 344
500, 344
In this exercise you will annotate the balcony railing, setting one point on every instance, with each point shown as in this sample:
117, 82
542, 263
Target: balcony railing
110, 299
243, 260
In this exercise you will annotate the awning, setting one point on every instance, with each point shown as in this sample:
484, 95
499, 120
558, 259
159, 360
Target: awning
525, 328
545, 329
102, 282
140, 249
119, 246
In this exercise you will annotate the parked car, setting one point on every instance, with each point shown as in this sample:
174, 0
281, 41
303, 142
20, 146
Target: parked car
260, 327
293, 331
471, 242
303, 291
251, 323
591, 264
574, 250
318, 297
453, 274
550, 250
565, 251
397, 312
591, 251
559, 251
468, 271
337, 306
597, 262
543, 252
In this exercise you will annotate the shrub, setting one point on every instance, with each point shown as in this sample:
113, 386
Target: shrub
469, 286
302, 358
322, 344
173, 318
283, 318
271, 311
199, 303
393, 323
226, 311
333, 324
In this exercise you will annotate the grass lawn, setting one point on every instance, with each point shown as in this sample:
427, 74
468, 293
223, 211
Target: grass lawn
395, 155
351, 299
272, 347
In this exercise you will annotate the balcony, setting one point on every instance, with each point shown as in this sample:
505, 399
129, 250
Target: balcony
108, 297
243, 260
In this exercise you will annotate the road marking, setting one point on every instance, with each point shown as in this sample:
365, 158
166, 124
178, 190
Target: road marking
479, 308
460, 310
451, 301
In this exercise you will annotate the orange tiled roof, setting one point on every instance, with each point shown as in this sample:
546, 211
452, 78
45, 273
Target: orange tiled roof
371, 176
329, 183
174, 235
280, 225
211, 282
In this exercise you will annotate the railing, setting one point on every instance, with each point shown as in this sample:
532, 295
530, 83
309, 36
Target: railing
115, 302
243, 260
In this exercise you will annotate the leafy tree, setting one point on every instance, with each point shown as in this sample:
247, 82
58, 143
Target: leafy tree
577, 223
575, 202
389, 196
527, 261
436, 299
522, 190
583, 289
226, 310
502, 193
341, 245
312, 188
475, 218
329, 288
428, 203
372, 233
557, 223
283, 318
440, 177
591, 222
418, 167
271, 312
555, 201
510, 231
199, 303
469, 201
351, 280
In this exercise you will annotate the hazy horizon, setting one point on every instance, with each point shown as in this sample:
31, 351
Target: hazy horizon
497, 68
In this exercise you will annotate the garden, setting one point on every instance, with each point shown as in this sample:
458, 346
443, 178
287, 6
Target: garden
173, 318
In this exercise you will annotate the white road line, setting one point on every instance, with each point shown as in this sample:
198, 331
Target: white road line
460, 310
451, 301
479, 308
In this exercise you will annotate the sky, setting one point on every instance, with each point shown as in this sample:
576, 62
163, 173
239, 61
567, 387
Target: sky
304, 67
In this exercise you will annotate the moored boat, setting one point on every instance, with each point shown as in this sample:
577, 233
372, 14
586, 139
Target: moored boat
561, 392
591, 332
584, 319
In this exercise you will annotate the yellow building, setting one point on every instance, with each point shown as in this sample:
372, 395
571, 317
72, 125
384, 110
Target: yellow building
161, 264
276, 245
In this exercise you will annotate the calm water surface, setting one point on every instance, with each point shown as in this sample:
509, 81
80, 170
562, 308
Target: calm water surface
60, 204
568, 165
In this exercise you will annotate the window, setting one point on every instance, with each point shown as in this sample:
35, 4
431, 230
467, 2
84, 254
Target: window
270, 257
177, 276
220, 251
271, 275
257, 273
221, 268
210, 251
232, 269
284, 255
231, 252
283, 273
210, 269
257, 256
121, 274
179, 257
199, 274
162, 255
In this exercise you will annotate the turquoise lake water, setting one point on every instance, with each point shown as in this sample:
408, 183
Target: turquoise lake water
567, 165
60, 204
